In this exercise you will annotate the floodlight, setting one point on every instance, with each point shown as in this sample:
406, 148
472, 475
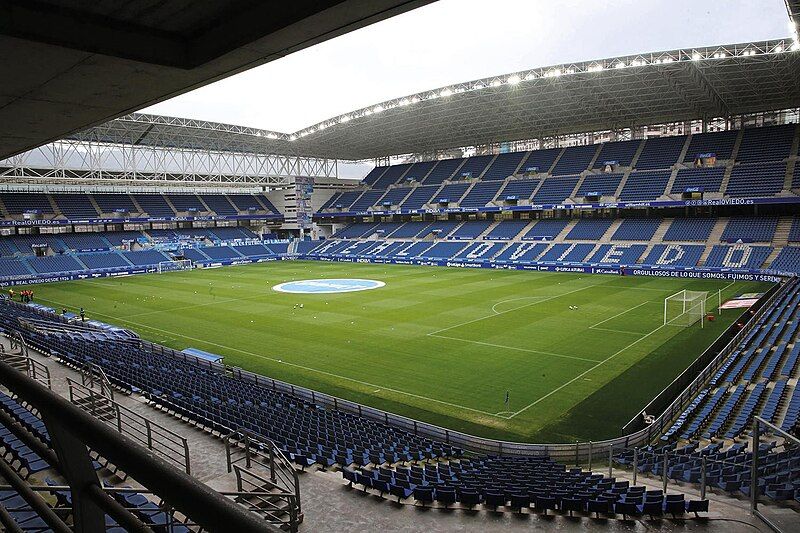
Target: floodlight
272, 136
530, 76
696, 56
415, 99
345, 118
446, 92
514, 79
404, 102
496, 83
377, 109
795, 46
778, 49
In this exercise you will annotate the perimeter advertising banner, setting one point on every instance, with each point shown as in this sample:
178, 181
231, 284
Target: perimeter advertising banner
304, 189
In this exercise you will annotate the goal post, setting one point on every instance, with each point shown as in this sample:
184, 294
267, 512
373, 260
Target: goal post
174, 266
684, 308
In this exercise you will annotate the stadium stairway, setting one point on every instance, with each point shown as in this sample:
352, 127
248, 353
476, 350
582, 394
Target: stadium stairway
606, 238
714, 237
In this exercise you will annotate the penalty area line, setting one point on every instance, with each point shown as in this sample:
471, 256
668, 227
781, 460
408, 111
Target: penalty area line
582, 374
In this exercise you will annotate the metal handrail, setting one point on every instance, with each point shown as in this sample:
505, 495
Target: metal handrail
168, 444
71, 430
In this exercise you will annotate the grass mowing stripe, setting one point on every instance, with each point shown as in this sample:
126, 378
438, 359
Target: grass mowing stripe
594, 326
280, 361
552, 354
576, 378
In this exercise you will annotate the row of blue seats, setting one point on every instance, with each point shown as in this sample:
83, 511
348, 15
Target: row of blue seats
744, 229
772, 143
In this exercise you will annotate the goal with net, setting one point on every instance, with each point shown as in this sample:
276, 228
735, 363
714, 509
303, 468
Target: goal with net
684, 308
174, 266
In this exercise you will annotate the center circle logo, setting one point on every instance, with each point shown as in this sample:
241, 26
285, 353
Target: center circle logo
327, 286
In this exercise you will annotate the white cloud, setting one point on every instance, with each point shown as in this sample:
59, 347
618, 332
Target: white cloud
458, 40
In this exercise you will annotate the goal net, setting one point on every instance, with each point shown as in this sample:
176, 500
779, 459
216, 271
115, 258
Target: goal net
685, 308
173, 266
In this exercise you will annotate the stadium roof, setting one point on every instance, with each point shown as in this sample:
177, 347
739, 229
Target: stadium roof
614, 93
68, 65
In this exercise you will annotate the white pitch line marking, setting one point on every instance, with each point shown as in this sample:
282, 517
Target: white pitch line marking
515, 348
260, 356
509, 310
579, 376
619, 331
619, 314
494, 307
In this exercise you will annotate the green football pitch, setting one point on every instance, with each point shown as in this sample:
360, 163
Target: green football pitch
443, 345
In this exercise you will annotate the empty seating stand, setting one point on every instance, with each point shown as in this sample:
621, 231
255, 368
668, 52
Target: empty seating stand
660, 153
717, 143
644, 185
764, 179
705, 179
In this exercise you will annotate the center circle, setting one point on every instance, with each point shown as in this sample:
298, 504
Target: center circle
327, 286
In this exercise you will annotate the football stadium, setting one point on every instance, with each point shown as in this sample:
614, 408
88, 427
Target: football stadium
561, 297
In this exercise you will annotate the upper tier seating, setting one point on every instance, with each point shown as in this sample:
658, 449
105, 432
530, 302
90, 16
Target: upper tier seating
507, 230
451, 193
154, 205
589, 229
706, 179
719, 143
355, 230
394, 196
503, 166
756, 179
75, 206
540, 159
409, 230
750, 229
374, 174
575, 160
244, 202
474, 166
547, 229
622, 152
674, 255
231, 233
441, 228
108, 203
643, 186
690, 229
471, 229
443, 170
773, 143
219, 204
18, 203
84, 241
366, 200
519, 189
345, 200
604, 184
119, 238
481, 194
796, 176
660, 152
555, 190
186, 203
418, 171
636, 229
419, 197
391, 176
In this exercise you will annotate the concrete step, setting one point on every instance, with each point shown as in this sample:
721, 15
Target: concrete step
658, 236
781, 237
716, 233
610, 231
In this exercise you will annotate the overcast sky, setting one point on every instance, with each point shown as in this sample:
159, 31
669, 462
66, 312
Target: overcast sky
451, 41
